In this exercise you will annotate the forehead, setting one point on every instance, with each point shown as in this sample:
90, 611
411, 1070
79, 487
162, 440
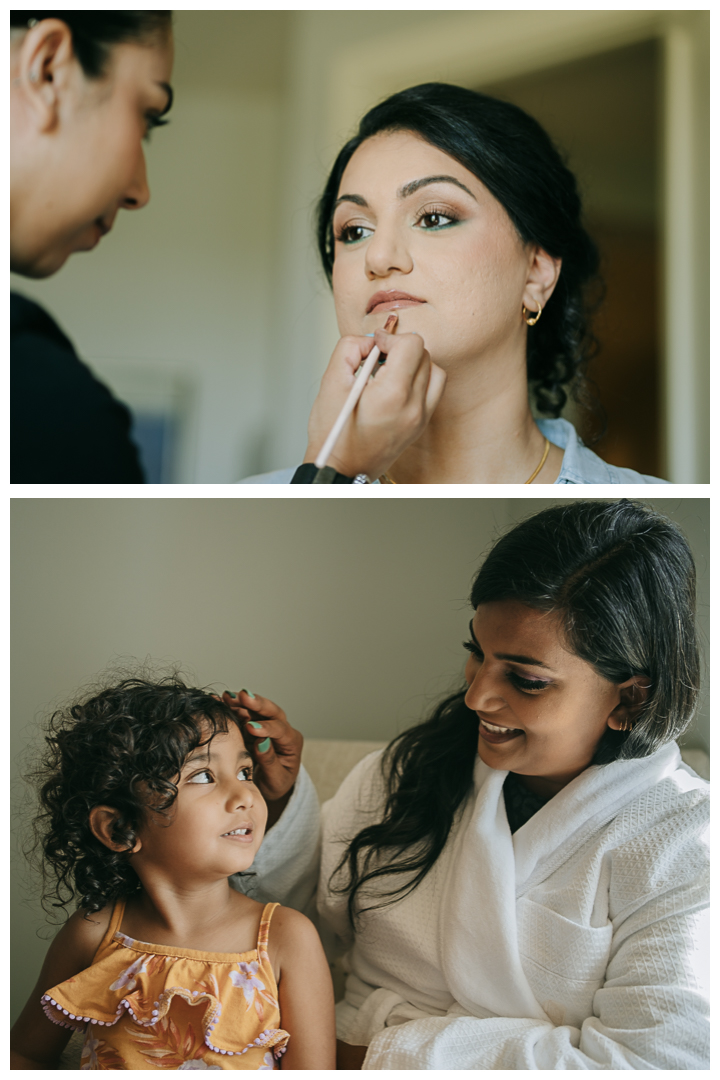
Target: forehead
393, 158
230, 741
501, 624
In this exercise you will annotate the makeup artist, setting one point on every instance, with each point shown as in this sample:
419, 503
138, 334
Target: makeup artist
86, 87
454, 210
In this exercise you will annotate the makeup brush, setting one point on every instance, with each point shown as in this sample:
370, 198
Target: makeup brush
353, 397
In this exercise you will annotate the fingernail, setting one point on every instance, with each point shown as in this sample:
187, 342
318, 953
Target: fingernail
230, 694
253, 723
263, 746
389, 325
369, 335
248, 692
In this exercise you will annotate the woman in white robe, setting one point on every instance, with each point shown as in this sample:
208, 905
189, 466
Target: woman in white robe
561, 922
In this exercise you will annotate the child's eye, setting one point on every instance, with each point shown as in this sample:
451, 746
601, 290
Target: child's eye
246, 774
204, 777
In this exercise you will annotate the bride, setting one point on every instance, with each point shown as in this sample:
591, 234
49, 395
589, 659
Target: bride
454, 211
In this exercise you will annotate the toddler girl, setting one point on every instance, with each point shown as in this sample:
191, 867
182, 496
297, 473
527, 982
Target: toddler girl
149, 806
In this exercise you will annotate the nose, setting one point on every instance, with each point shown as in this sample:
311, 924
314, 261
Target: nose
387, 252
137, 194
482, 695
240, 796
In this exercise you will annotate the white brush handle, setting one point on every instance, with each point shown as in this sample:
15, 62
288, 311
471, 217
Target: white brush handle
350, 403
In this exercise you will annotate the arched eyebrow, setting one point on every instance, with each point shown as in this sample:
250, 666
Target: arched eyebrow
407, 189
414, 185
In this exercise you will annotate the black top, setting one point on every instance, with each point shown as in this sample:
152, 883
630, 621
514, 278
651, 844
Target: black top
65, 426
520, 804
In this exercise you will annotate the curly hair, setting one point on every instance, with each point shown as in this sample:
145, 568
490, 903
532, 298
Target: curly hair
516, 160
123, 747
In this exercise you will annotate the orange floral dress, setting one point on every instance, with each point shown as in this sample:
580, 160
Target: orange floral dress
159, 1007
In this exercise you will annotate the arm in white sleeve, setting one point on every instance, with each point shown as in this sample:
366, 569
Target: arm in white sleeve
651, 1013
286, 866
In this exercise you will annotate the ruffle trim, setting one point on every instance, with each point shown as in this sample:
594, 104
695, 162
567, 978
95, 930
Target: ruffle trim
274, 1038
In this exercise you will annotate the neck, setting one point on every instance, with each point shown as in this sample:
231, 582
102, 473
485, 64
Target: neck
169, 910
482, 432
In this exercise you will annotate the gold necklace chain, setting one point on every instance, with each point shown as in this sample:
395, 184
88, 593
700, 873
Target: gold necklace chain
385, 479
543, 459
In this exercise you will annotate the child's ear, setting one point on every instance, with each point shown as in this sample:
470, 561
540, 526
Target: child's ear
634, 693
102, 822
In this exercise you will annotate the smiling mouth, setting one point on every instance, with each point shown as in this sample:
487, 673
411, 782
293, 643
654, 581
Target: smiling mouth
391, 301
495, 733
239, 832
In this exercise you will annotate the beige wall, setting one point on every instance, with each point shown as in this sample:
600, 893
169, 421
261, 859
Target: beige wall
350, 615
214, 293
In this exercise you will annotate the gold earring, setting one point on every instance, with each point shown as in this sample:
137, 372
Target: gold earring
531, 322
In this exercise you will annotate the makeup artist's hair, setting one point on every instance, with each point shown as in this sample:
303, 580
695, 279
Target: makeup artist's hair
621, 577
515, 159
123, 746
95, 32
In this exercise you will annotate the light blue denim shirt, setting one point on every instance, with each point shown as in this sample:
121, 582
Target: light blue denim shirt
579, 465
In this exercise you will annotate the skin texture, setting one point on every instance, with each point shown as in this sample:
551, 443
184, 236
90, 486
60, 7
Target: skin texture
560, 705
454, 248
183, 861
77, 143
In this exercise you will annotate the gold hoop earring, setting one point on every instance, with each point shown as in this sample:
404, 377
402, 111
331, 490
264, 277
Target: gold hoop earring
531, 322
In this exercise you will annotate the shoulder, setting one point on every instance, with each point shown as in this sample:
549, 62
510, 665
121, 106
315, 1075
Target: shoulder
581, 465
280, 476
28, 318
659, 842
292, 938
363, 787
80, 937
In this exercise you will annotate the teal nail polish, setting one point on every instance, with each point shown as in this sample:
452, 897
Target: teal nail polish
230, 694
253, 723
248, 692
264, 745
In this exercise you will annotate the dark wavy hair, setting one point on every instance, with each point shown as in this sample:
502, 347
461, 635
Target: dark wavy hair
122, 747
622, 578
95, 32
515, 159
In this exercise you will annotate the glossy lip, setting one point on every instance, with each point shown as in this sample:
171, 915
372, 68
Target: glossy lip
496, 736
390, 300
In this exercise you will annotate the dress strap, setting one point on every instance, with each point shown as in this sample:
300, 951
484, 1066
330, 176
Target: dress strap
115, 923
264, 931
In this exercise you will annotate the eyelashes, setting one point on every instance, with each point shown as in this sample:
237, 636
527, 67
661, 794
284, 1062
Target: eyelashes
344, 234
153, 122
246, 778
518, 681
